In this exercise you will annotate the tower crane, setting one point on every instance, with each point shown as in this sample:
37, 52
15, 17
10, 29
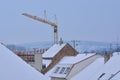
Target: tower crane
54, 25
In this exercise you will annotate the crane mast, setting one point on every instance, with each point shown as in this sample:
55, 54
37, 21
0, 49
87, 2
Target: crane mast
54, 25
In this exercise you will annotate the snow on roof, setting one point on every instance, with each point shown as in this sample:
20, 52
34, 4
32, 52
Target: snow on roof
14, 68
116, 53
46, 62
53, 50
61, 70
110, 70
90, 70
116, 77
74, 59
65, 65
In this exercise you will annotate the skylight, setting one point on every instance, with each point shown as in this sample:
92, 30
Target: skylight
62, 70
67, 70
57, 69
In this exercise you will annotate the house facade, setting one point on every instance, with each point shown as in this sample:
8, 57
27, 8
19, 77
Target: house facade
68, 67
56, 53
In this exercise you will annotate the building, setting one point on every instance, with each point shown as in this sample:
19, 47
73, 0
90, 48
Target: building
33, 57
13, 67
90, 70
70, 66
43, 62
110, 70
54, 54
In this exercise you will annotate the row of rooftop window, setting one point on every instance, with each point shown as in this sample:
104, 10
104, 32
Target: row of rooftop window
62, 70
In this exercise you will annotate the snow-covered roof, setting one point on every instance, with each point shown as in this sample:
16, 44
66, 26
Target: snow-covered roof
63, 68
116, 53
53, 50
110, 70
75, 59
46, 62
89, 71
14, 68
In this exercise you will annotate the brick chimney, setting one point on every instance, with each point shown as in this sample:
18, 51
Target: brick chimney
107, 57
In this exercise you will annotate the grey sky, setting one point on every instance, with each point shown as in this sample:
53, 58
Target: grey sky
94, 20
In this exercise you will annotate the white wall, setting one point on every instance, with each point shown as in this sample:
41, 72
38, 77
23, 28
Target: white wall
38, 61
81, 65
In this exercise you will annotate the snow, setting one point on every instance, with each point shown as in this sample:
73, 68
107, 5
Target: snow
109, 69
89, 71
53, 50
46, 62
117, 77
14, 68
74, 59
67, 62
116, 53
59, 73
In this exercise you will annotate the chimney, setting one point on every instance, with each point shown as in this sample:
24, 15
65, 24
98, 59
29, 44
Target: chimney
38, 60
61, 41
107, 57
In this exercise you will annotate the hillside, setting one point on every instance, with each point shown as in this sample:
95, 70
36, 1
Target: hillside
81, 46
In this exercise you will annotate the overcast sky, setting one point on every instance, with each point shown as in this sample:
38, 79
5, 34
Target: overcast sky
88, 20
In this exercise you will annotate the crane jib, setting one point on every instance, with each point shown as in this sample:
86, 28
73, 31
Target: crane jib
47, 22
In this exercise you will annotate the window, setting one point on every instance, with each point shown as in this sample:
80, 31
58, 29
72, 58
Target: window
67, 70
62, 70
57, 69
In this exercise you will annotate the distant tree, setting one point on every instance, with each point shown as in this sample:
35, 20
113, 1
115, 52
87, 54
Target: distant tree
15, 48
